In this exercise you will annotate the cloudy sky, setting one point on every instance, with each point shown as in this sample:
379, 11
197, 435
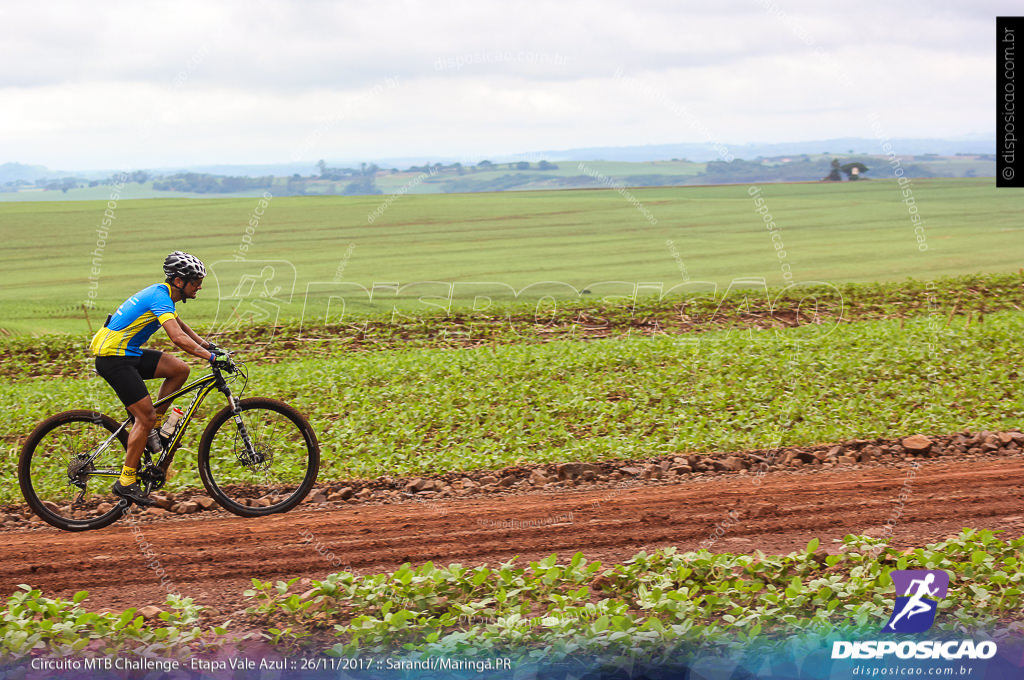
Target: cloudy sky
155, 84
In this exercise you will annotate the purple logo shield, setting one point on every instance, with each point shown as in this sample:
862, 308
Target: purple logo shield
918, 592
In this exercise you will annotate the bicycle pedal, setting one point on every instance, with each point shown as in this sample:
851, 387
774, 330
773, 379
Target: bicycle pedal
124, 504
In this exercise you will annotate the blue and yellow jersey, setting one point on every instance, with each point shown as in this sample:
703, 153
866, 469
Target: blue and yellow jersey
135, 320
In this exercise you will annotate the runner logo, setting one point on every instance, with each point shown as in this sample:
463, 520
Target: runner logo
918, 592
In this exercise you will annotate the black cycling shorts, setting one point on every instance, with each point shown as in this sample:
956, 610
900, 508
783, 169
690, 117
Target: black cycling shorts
126, 374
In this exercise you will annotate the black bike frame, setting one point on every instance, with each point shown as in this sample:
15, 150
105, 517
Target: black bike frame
202, 386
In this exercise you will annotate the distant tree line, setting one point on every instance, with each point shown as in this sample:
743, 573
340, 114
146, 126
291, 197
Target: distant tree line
741, 171
203, 183
853, 171
490, 176
337, 173
363, 181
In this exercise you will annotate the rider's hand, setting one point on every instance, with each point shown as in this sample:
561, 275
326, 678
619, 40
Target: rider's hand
219, 358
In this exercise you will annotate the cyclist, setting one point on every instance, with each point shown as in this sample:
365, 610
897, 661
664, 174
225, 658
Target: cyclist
121, 361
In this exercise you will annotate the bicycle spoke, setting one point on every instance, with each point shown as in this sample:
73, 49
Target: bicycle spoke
60, 477
280, 464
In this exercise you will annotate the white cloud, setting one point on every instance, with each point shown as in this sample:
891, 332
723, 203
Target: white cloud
253, 82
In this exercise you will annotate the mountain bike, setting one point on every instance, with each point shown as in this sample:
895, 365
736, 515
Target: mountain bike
256, 457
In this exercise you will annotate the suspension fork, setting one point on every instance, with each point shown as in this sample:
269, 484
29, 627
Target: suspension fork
236, 410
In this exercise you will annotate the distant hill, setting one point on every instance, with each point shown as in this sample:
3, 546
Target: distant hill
595, 167
700, 153
505, 176
969, 144
13, 172
250, 170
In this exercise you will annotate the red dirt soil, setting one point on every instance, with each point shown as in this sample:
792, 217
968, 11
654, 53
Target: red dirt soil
212, 556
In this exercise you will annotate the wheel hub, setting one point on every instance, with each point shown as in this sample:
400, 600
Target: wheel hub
259, 460
78, 466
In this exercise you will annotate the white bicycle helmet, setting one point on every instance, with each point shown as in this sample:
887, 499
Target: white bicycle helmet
188, 267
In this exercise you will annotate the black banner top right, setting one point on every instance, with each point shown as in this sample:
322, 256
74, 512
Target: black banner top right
1009, 31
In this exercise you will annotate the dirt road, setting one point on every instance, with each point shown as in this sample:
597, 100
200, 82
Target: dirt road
212, 556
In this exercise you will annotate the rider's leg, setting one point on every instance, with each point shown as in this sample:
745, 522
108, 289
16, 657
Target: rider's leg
123, 374
125, 377
145, 416
173, 370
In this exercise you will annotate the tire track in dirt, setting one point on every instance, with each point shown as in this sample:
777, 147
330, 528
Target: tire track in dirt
213, 556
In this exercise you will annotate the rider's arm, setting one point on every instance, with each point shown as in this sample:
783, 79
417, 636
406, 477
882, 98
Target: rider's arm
192, 334
180, 338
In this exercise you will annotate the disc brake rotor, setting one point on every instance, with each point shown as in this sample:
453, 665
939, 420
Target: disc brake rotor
259, 460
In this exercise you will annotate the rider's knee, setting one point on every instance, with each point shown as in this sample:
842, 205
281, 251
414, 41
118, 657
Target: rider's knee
147, 417
180, 370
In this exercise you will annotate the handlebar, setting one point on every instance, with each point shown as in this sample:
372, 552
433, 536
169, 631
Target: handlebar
224, 362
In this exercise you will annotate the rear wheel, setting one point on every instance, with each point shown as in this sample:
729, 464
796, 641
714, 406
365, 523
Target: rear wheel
275, 474
60, 482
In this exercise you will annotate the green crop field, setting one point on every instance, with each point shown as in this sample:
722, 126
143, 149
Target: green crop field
664, 606
59, 255
430, 411
708, 375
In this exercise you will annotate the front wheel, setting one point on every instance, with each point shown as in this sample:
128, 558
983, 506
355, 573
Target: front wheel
67, 467
272, 475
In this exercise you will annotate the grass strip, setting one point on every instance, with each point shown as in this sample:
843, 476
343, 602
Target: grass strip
659, 606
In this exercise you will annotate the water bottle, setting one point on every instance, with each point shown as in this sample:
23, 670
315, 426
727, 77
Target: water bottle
171, 424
